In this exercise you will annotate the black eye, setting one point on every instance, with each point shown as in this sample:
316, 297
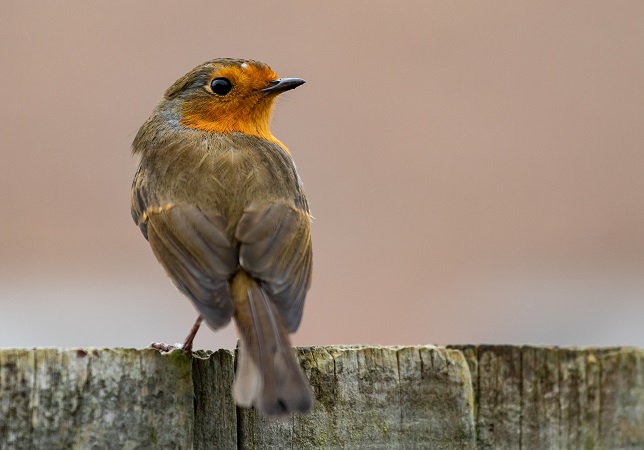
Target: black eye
221, 86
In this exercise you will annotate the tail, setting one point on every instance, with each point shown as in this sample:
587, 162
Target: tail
268, 375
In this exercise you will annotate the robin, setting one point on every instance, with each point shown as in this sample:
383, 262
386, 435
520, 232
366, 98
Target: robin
218, 198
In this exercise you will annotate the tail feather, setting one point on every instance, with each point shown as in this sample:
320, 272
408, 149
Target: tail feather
268, 374
248, 380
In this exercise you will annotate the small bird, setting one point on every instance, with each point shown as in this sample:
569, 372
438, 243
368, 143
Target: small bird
220, 202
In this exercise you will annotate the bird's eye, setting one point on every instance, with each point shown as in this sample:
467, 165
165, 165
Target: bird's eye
221, 86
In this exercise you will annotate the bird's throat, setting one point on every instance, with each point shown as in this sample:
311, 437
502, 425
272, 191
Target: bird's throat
253, 122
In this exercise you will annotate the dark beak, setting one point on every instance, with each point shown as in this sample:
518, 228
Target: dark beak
281, 85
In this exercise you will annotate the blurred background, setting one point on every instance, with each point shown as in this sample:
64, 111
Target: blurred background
475, 169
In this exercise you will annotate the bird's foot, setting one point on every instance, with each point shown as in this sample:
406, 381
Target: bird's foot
162, 347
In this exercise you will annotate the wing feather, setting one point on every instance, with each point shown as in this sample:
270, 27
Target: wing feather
276, 249
197, 255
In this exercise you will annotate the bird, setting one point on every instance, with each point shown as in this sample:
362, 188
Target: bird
223, 208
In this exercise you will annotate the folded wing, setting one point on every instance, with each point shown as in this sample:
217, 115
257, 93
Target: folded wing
275, 248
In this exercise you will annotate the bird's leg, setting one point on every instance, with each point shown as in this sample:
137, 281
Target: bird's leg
187, 343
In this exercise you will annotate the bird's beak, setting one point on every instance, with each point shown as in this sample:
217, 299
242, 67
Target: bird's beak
281, 85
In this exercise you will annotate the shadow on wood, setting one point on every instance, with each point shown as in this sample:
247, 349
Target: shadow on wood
465, 397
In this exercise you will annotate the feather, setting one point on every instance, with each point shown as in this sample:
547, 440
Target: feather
268, 375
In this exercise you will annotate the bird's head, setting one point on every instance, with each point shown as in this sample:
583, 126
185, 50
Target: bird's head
228, 95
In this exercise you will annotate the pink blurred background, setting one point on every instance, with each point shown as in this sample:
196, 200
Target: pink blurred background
476, 169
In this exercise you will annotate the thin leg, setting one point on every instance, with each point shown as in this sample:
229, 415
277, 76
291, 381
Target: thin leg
187, 344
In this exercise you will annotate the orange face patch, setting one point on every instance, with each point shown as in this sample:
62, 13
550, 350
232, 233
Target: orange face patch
244, 109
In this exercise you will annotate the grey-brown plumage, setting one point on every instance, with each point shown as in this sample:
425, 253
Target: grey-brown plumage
222, 206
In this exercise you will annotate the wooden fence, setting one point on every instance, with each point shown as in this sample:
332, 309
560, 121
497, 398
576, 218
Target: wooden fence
423, 397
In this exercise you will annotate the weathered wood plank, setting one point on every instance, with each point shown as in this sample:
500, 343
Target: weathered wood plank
579, 386
376, 397
558, 398
464, 397
540, 397
78, 399
499, 397
622, 399
215, 411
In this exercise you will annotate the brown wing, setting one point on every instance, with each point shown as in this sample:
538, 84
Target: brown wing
197, 254
140, 201
193, 248
276, 249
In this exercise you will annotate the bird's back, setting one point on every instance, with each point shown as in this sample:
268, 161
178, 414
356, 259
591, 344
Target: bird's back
221, 172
